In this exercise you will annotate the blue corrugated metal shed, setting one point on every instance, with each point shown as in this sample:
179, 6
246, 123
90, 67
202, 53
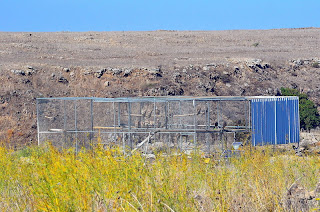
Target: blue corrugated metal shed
275, 120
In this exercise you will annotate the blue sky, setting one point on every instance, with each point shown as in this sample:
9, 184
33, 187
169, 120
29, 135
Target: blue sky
145, 15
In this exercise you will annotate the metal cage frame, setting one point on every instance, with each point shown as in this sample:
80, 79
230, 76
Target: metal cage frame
119, 120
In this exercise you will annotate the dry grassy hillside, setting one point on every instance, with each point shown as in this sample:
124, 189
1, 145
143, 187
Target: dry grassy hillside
110, 64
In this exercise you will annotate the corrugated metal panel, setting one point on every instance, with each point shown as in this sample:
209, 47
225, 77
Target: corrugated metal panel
275, 120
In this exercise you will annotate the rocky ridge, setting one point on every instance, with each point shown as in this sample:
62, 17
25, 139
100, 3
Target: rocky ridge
21, 86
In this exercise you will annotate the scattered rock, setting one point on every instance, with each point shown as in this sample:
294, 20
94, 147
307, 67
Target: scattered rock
175, 91
66, 69
214, 76
225, 78
176, 76
18, 72
127, 72
254, 64
2, 100
72, 74
207, 87
156, 71
87, 72
205, 68
294, 73
265, 65
298, 62
28, 92
306, 62
99, 73
116, 71
63, 80
212, 65
236, 70
29, 72
26, 81
106, 84
165, 91
277, 92
294, 85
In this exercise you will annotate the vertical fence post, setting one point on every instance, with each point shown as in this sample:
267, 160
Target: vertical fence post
91, 118
195, 122
180, 113
140, 116
114, 122
129, 124
38, 119
123, 143
154, 114
218, 113
208, 115
119, 113
168, 121
65, 123
75, 125
275, 121
166, 115
219, 126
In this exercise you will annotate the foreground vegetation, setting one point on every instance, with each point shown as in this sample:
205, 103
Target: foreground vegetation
309, 114
44, 179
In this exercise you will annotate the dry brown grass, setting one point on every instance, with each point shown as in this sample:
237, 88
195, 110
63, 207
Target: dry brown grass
44, 179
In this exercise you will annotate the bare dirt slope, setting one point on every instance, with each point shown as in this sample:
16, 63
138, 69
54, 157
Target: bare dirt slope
110, 64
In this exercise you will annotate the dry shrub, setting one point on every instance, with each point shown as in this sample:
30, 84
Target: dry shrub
45, 179
7, 126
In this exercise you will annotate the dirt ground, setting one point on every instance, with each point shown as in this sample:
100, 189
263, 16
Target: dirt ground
147, 49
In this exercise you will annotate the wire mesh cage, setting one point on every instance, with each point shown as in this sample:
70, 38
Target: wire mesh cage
209, 124
161, 123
